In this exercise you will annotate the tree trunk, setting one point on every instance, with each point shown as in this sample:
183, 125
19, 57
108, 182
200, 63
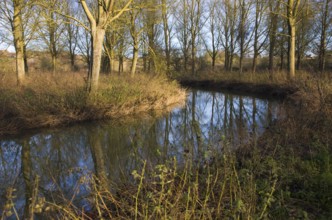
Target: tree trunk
193, 56
26, 66
274, 10
282, 59
19, 41
257, 18
291, 52
72, 61
166, 35
53, 63
241, 63
299, 59
254, 63
135, 59
120, 70
97, 49
322, 43
292, 9
214, 57
242, 33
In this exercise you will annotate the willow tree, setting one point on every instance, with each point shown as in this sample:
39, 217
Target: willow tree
99, 21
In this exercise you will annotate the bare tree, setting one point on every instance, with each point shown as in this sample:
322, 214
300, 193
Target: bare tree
121, 48
19, 40
52, 28
281, 47
116, 44
167, 32
136, 30
71, 33
244, 36
305, 33
195, 12
151, 19
84, 45
325, 19
99, 21
292, 14
12, 11
214, 31
83, 37
260, 31
183, 31
274, 9
229, 21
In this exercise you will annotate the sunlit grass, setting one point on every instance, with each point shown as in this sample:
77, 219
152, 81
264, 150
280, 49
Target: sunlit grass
48, 100
260, 77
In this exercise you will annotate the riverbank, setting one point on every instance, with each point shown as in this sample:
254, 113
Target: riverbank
285, 174
55, 100
279, 91
261, 84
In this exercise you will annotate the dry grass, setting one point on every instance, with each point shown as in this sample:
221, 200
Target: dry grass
260, 77
50, 100
307, 88
286, 175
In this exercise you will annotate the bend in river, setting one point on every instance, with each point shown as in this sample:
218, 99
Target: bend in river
62, 158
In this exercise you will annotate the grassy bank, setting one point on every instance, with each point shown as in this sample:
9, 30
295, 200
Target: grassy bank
50, 100
286, 174
262, 83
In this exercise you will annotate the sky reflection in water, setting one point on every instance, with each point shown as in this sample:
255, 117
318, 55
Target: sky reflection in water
64, 158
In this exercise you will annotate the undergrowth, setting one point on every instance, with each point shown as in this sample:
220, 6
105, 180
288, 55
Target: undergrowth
286, 174
276, 181
49, 100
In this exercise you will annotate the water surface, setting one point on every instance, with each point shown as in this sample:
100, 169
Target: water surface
63, 159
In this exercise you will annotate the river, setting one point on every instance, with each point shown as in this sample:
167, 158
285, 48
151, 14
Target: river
64, 159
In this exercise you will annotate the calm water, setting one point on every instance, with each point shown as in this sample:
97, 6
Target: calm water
64, 158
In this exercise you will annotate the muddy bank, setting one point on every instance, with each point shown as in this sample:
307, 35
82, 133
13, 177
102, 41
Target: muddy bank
263, 90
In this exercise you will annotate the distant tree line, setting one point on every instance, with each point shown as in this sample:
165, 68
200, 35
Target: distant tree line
169, 35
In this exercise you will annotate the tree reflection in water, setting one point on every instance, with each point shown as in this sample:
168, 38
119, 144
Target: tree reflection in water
65, 158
